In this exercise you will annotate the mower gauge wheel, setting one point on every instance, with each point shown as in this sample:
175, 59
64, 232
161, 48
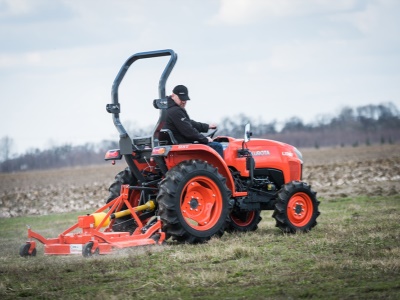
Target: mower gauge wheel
87, 250
24, 250
156, 237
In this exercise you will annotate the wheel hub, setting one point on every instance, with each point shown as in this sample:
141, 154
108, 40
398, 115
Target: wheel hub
298, 209
200, 206
194, 203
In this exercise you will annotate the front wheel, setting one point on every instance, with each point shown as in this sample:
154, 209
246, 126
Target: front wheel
296, 209
243, 221
193, 202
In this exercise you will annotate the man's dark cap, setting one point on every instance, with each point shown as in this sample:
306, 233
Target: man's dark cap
182, 92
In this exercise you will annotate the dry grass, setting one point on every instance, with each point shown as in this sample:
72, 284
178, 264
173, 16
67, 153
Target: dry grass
353, 253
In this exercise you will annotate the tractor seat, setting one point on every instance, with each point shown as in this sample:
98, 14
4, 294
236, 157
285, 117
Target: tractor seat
166, 137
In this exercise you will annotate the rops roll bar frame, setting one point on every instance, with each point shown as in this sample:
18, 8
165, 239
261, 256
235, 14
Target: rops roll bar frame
114, 108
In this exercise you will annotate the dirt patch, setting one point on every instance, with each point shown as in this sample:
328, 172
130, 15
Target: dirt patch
346, 172
55, 191
332, 172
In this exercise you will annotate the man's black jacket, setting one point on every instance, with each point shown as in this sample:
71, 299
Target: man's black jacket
183, 128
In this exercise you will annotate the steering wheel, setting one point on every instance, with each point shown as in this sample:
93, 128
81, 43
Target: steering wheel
211, 133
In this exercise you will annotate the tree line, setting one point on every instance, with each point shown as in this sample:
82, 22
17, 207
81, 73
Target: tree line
369, 124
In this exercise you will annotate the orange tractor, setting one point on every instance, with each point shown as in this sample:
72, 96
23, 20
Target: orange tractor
187, 192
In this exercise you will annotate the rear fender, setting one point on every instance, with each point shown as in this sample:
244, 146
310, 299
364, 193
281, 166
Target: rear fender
182, 152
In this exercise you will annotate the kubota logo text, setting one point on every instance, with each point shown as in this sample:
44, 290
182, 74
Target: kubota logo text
287, 154
260, 153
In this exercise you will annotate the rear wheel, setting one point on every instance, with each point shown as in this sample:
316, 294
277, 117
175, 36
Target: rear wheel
243, 221
296, 209
193, 202
123, 177
126, 223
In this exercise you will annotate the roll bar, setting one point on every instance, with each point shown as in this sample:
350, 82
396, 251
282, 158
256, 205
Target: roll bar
115, 108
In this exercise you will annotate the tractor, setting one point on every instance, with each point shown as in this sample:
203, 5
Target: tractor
187, 192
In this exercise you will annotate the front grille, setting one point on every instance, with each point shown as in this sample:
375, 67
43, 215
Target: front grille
295, 170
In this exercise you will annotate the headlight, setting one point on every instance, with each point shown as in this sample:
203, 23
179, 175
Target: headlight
298, 153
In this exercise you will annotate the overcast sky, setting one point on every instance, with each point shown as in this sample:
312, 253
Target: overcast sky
268, 59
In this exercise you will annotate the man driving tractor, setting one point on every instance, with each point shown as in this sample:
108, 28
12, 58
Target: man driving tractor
182, 127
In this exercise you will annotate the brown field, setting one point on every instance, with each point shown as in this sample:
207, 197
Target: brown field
332, 172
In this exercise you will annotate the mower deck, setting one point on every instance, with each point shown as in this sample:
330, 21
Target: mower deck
96, 235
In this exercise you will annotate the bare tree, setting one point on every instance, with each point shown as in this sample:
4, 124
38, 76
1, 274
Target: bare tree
369, 124
6, 145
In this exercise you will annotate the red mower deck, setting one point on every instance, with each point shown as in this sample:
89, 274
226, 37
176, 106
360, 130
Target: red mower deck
96, 235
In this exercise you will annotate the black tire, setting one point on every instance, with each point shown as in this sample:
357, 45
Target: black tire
123, 177
193, 202
126, 223
87, 250
24, 250
296, 209
156, 237
243, 221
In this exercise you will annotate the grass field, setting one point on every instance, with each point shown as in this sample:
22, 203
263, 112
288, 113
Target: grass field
353, 253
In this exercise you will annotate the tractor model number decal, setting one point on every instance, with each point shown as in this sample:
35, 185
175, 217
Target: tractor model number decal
75, 249
183, 146
260, 153
287, 154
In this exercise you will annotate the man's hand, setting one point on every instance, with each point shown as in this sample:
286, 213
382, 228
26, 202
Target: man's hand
212, 126
209, 139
